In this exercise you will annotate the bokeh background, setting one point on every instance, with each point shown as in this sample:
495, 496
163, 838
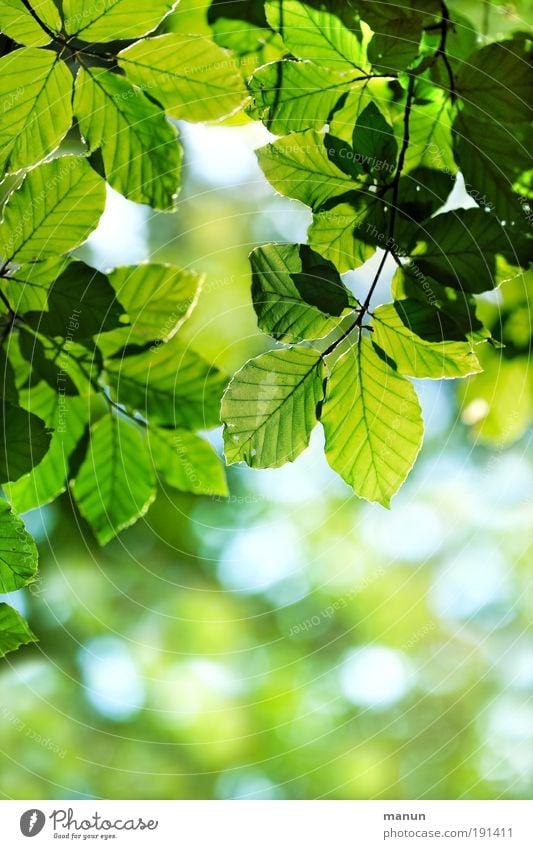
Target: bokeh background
289, 641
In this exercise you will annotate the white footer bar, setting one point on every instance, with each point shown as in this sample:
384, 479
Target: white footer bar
267, 825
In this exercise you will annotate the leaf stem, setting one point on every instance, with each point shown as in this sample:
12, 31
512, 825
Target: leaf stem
364, 309
441, 50
395, 197
124, 411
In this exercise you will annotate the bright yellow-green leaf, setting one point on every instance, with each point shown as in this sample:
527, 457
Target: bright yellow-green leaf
270, 407
115, 484
67, 416
293, 96
169, 385
140, 150
191, 77
14, 630
20, 25
35, 104
316, 35
54, 211
345, 235
109, 20
422, 341
297, 295
186, 461
298, 166
18, 553
157, 299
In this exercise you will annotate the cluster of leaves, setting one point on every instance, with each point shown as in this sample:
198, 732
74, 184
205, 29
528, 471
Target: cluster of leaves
377, 108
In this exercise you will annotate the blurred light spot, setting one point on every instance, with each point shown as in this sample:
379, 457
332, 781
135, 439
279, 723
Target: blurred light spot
41, 522
475, 411
195, 688
375, 676
474, 583
120, 238
250, 785
514, 663
509, 736
506, 479
303, 481
113, 684
260, 557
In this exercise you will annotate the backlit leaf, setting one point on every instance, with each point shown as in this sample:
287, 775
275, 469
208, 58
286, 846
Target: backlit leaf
270, 407
373, 423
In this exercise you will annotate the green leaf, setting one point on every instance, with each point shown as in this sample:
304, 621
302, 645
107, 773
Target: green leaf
241, 26
169, 385
191, 77
18, 552
374, 141
396, 49
384, 15
454, 303
498, 404
187, 462
373, 423
397, 30
55, 210
110, 20
27, 287
460, 247
17, 22
298, 166
270, 407
349, 108
140, 151
14, 630
422, 193
316, 35
492, 158
67, 416
430, 136
115, 484
343, 156
81, 303
157, 299
35, 102
293, 96
293, 298
495, 82
347, 235
422, 341
67, 366
24, 440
